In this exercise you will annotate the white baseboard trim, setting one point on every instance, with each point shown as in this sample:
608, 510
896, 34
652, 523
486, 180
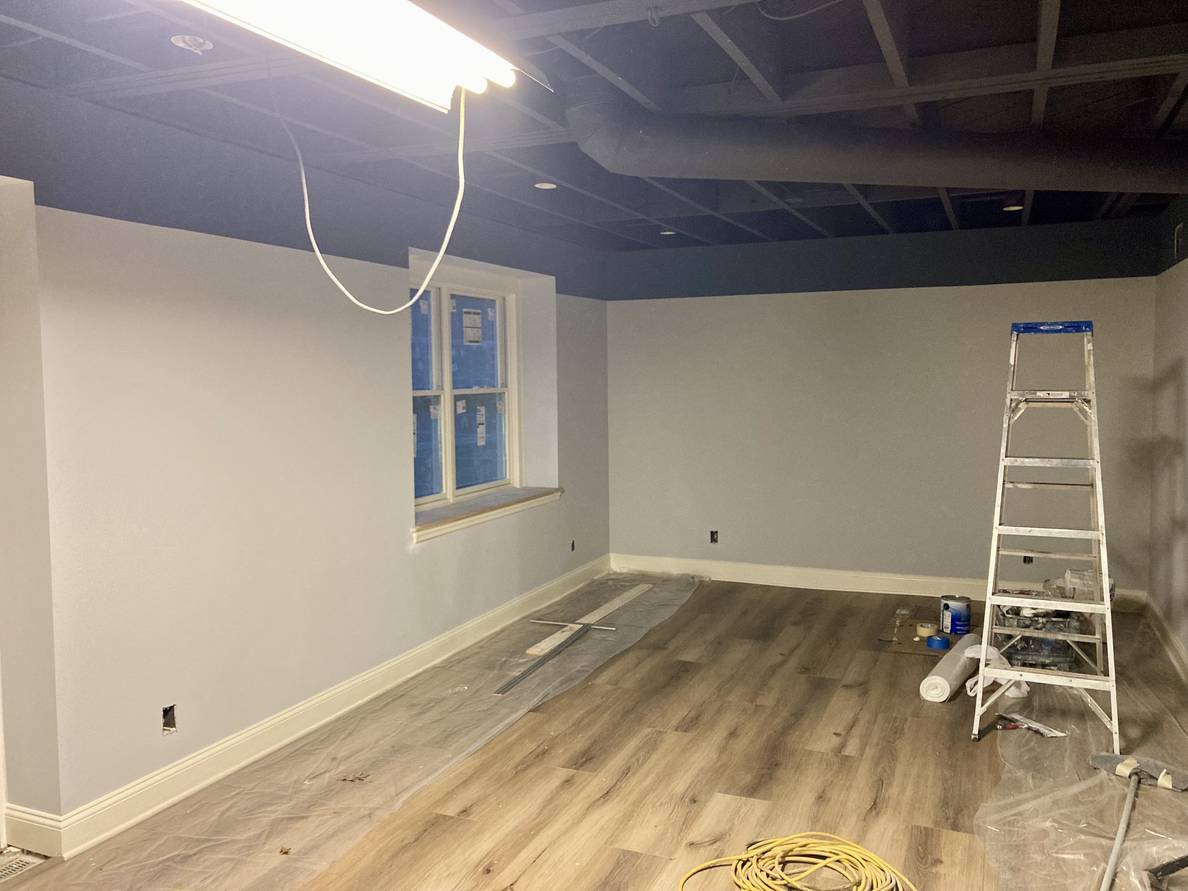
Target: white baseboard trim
832, 579
1177, 651
68, 834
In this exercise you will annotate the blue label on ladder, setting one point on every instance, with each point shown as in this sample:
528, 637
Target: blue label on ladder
1081, 327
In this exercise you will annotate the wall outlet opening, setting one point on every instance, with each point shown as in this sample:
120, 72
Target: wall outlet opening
713, 536
168, 720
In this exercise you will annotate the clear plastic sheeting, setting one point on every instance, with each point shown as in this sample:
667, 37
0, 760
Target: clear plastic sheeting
1050, 822
281, 821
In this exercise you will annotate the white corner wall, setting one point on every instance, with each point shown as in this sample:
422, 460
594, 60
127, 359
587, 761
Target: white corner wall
1169, 458
27, 671
230, 488
852, 431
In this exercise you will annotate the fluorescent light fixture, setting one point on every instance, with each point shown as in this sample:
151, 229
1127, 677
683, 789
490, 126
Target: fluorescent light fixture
392, 43
667, 232
544, 186
1012, 208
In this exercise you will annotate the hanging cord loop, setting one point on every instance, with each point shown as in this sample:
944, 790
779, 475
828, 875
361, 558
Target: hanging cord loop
448, 232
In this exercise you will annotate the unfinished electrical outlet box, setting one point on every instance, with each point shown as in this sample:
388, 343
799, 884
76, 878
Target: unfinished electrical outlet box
168, 720
713, 536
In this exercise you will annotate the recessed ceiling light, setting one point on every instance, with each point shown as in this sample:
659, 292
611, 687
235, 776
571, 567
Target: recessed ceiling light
196, 45
667, 232
1012, 208
544, 185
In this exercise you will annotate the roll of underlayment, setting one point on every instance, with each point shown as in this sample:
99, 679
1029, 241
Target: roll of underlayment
951, 672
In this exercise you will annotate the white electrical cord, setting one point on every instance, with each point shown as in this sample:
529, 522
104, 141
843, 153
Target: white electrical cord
796, 15
445, 241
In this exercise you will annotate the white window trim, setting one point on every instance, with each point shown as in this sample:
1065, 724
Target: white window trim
507, 362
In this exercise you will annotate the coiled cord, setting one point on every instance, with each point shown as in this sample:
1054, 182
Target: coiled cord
784, 864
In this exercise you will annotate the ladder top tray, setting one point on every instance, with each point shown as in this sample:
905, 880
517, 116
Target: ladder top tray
1082, 326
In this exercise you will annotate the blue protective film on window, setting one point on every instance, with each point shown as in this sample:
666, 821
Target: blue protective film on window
474, 328
422, 341
427, 441
480, 447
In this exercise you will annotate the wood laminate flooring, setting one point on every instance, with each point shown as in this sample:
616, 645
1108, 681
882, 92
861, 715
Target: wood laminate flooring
755, 711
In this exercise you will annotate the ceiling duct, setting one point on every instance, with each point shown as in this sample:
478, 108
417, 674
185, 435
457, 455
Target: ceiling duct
636, 143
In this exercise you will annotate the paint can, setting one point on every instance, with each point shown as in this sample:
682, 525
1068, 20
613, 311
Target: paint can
955, 614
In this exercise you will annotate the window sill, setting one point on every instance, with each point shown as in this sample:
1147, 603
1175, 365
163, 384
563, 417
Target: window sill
435, 520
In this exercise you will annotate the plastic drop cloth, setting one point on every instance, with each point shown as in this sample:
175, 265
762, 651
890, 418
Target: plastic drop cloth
281, 821
1050, 822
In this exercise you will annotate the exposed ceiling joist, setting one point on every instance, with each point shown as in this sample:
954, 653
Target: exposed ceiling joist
191, 77
605, 71
888, 20
1045, 53
619, 79
1171, 103
783, 205
1119, 203
869, 208
746, 196
1124, 203
1089, 58
600, 15
750, 46
950, 211
705, 209
483, 143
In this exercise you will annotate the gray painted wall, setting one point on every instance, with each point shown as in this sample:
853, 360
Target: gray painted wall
1169, 453
856, 430
230, 478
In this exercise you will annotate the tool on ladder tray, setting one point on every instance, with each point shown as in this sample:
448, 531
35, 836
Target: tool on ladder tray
1024, 625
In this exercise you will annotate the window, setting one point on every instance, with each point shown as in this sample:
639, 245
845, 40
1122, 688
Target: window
463, 406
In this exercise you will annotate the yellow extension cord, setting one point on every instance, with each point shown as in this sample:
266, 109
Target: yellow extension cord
783, 864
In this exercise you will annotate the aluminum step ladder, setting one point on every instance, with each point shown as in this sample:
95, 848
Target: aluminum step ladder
1093, 646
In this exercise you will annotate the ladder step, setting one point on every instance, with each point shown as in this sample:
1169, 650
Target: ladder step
1042, 676
1059, 396
1048, 532
1050, 635
1045, 555
1049, 462
1053, 603
1072, 487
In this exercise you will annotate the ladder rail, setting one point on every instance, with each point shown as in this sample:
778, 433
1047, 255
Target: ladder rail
1101, 547
992, 572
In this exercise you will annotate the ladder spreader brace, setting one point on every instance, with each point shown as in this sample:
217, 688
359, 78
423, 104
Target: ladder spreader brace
1099, 673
